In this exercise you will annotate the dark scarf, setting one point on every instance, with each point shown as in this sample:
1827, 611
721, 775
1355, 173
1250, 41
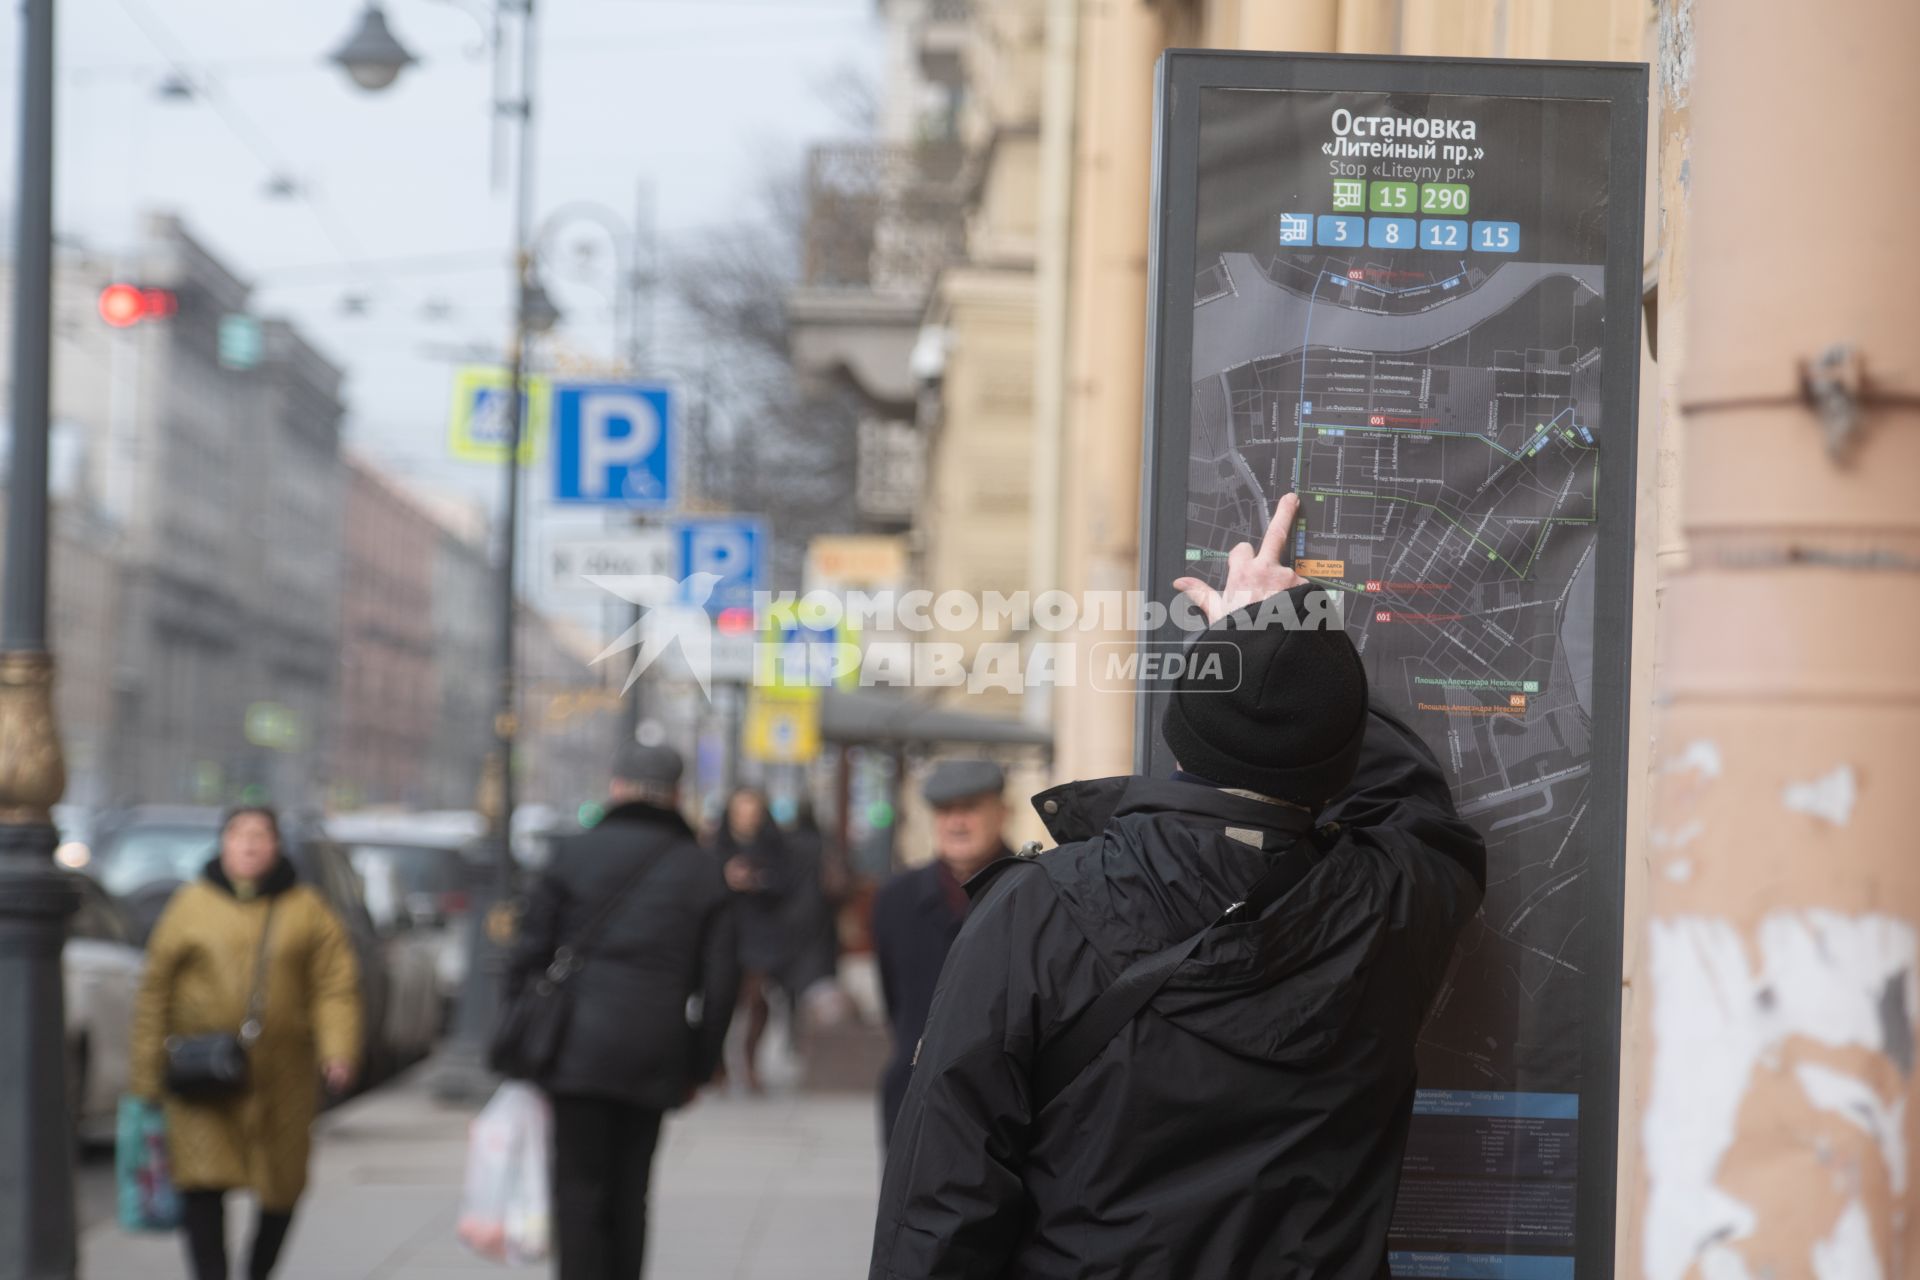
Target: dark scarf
280, 877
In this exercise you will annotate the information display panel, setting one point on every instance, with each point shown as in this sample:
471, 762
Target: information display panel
1408, 290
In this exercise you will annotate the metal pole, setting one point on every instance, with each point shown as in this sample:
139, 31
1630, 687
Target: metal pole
36, 1136
463, 1076
506, 712
1784, 913
638, 291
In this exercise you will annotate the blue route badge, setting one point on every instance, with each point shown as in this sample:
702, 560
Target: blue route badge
1390, 233
1496, 237
1296, 228
1338, 232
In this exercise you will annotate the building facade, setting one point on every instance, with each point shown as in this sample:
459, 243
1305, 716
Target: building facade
388, 705
225, 478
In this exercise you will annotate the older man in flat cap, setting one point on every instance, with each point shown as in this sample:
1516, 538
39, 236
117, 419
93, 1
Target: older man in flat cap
918, 913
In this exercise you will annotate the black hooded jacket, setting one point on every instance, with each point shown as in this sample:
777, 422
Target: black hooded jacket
670, 938
1251, 1121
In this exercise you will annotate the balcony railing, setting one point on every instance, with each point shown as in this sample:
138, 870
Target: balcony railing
882, 217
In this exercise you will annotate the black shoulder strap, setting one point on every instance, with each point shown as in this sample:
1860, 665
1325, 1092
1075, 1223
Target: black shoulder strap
251, 1028
571, 955
1063, 1058
977, 883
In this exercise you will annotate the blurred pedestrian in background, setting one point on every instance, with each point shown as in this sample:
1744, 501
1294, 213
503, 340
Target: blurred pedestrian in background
628, 1053
813, 930
246, 943
918, 914
758, 868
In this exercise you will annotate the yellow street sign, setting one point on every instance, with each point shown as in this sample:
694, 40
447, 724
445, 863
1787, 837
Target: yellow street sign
477, 417
782, 732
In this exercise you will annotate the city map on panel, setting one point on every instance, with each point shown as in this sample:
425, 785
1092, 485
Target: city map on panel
1413, 346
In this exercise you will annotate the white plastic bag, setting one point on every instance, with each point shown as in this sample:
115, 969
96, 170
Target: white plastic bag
504, 1211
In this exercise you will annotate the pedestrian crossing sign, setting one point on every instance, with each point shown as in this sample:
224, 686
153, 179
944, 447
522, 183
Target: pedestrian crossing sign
477, 418
783, 731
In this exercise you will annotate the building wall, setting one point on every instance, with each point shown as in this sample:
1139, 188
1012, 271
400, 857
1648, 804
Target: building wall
388, 684
464, 585
569, 717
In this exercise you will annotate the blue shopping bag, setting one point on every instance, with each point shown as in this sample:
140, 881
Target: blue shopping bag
148, 1201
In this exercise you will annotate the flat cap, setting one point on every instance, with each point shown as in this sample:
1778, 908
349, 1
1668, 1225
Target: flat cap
658, 766
955, 780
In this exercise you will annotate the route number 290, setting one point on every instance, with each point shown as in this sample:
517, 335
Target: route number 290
1443, 197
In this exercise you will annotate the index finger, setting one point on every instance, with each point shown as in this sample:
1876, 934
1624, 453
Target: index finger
1283, 516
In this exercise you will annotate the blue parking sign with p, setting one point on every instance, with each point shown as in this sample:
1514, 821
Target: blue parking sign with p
613, 444
732, 549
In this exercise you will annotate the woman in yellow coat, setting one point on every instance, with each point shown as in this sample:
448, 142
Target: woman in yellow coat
201, 962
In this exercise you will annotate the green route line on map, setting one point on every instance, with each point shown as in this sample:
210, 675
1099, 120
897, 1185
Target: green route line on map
1540, 437
1421, 431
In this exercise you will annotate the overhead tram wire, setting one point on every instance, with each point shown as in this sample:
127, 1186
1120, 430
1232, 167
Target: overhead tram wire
238, 123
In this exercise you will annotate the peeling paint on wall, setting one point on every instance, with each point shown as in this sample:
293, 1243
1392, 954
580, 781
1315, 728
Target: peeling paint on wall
1702, 756
1854, 1100
1676, 837
1822, 976
1829, 798
1676, 51
1848, 1253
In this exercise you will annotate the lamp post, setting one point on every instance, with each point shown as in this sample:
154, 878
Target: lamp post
374, 58
36, 1138
632, 330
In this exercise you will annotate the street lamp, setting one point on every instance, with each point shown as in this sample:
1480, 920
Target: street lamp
630, 292
371, 55
36, 1153
374, 58
537, 307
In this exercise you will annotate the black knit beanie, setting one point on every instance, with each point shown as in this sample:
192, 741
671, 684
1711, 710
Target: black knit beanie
1286, 718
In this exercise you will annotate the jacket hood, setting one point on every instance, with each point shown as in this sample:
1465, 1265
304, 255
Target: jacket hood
647, 813
280, 877
1145, 863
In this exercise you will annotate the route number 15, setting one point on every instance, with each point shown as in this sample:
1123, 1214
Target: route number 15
1496, 237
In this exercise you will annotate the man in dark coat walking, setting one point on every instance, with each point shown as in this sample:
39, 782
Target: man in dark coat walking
629, 1053
918, 913
1251, 1119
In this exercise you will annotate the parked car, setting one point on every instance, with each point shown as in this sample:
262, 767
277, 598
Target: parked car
101, 972
411, 947
146, 853
436, 861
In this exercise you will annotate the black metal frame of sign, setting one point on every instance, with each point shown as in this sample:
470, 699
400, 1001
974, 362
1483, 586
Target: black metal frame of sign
1459, 420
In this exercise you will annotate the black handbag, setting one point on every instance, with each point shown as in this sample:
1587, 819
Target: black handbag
527, 1040
213, 1066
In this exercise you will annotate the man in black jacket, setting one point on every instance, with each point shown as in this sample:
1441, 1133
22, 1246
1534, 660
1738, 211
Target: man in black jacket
629, 1053
1250, 1121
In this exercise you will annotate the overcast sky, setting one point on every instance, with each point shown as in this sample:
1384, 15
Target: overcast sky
697, 98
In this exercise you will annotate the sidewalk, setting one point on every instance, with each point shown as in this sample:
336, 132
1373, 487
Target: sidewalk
780, 1188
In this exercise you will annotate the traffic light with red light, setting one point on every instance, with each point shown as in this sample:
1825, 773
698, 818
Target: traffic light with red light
124, 305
